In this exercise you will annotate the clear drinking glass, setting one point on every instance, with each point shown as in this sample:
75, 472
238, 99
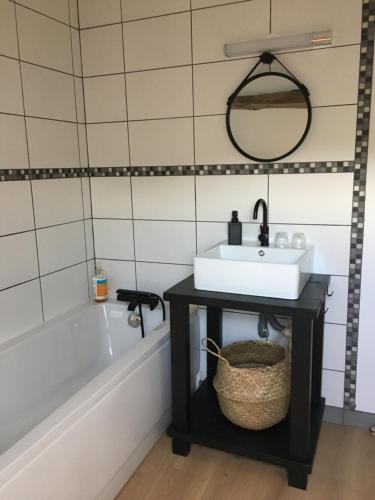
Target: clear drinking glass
299, 241
281, 240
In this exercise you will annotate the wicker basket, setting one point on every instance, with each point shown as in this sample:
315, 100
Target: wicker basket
252, 383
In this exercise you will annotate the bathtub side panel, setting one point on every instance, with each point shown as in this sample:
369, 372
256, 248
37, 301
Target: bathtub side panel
81, 462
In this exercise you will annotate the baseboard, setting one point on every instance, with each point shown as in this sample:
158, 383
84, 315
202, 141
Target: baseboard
352, 418
123, 475
359, 418
333, 415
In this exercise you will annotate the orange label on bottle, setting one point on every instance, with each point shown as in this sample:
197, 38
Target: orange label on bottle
101, 289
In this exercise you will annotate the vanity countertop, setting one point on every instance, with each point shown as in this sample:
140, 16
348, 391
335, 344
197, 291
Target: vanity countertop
309, 303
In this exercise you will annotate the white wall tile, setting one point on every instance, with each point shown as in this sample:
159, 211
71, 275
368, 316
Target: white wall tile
61, 246
331, 245
16, 208
164, 198
218, 195
210, 234
44, 41
162, 142
97, 12
160, 93
102, 52
311, 198
343, 18
159, 277
10, 87
319, 70
165, 241
47, 93
158, 42
86, 196
13, 147
113, 239
82, 145
79, 99
120, 274
25, 298
334, 347
337, 304
8, 30
212, 144
215, 82
333, 388
64, 290
19, 259
108, 145
57, 201
331, 137
239, 326
148, 8
89, 235
52, 144
76, 53
53, 8
111, 197
214, 27
105, 99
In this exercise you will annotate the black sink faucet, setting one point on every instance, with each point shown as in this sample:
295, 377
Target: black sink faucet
264, 229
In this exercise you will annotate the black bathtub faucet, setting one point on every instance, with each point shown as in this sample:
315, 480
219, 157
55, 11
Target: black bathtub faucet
136, 298
264, 229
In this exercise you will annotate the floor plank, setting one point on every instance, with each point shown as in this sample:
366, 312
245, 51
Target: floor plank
344, 470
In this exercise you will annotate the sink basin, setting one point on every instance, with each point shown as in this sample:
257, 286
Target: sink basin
253, 270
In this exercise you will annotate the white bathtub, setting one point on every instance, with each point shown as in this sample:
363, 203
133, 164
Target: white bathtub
83, 399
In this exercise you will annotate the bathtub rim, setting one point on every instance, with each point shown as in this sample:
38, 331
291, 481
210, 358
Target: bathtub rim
23, 451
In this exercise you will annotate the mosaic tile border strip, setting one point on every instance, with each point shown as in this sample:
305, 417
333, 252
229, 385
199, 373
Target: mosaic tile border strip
28, 174
178, 170
359, 195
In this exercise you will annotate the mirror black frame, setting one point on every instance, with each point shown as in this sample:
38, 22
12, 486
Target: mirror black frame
245, 82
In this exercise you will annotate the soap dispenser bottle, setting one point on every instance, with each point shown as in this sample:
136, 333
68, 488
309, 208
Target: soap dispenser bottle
234, 230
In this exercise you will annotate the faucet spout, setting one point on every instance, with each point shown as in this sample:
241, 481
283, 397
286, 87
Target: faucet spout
264, 229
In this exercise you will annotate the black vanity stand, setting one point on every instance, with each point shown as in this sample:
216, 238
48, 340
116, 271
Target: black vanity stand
198, 419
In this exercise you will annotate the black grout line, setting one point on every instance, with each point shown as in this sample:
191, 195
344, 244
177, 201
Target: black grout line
181, 117
64, 268
70, 122
201, 63
270, 27
156, 16
204, 221
146, 262
37, 278
23, 61
29, 164
26, 7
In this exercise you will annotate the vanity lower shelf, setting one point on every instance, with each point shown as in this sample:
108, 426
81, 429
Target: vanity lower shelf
209, 427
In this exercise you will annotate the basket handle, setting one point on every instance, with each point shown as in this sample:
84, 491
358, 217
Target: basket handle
217, 354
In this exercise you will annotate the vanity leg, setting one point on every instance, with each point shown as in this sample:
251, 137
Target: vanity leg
298, 477
301, 375
180, 356
214, 332
318, 337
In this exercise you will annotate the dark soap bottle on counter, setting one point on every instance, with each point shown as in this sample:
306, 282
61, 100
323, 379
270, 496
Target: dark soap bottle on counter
234, 230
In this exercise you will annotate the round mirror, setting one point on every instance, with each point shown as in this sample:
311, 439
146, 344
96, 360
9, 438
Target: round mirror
268, 116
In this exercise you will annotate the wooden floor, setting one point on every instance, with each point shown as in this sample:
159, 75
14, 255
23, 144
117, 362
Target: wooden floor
344, 470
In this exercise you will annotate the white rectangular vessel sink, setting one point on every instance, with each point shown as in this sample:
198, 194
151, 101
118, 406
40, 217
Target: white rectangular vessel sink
253, 270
